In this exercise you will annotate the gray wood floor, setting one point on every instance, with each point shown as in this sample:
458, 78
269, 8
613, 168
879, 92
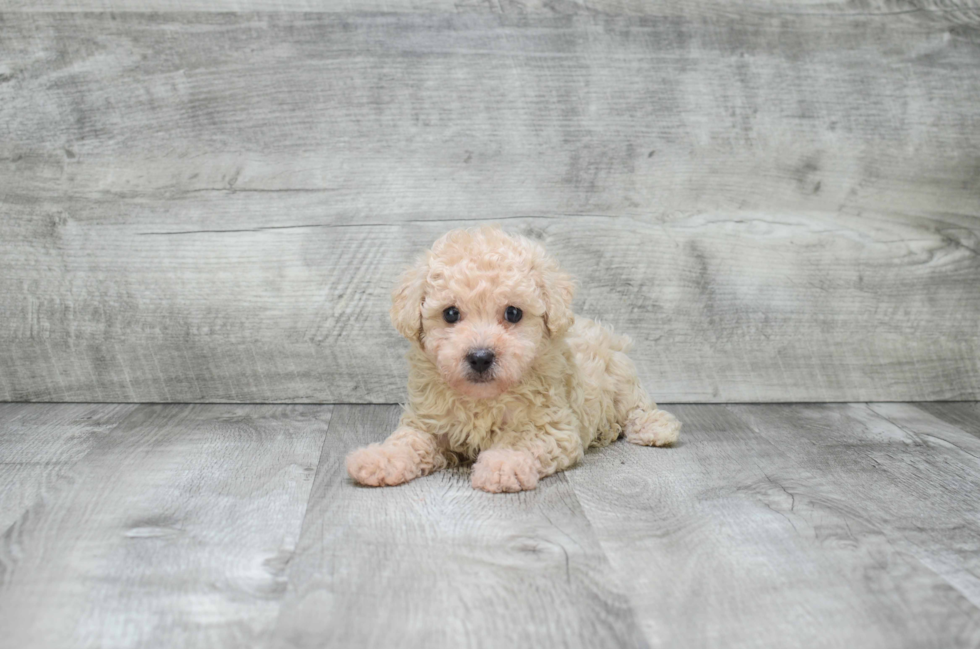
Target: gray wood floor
834, 525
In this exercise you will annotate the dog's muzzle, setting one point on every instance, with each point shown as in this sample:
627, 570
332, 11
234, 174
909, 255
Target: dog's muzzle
481, 361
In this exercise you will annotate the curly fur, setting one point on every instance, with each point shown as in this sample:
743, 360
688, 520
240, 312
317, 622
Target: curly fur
559, 383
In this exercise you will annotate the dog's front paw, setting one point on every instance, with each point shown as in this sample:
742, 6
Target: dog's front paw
652, 428
498, 470
379, 465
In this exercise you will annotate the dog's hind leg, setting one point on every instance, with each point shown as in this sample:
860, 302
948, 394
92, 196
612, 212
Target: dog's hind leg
651, 427
642, 422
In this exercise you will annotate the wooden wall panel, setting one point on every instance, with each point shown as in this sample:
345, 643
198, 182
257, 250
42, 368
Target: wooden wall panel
958, 12
213, 207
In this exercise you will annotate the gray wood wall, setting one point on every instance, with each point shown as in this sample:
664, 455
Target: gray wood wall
780, 201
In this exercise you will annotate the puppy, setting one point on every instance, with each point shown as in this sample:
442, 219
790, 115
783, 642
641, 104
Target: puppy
502, 372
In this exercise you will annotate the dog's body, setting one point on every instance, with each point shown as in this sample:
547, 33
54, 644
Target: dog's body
502, 372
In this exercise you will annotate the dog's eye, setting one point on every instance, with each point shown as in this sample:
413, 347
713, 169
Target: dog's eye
451, 314
513, 314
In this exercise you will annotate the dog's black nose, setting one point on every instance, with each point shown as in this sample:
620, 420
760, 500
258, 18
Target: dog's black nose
480, 359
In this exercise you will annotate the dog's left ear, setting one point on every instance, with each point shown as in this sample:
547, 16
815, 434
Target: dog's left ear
558, 290
406, 300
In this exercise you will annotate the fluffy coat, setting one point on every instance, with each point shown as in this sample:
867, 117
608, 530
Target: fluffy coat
558, 383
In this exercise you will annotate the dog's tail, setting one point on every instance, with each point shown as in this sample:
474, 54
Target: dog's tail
594, 334
614, 341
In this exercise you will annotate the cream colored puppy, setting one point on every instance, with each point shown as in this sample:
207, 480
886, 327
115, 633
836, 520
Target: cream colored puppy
502, 372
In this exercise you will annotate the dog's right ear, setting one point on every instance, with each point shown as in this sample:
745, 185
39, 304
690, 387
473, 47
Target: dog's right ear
406, 300
558, 289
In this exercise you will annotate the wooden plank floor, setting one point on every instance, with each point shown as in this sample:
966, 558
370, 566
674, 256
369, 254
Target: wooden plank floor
831, 525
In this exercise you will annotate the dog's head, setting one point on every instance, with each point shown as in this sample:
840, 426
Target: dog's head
482, 304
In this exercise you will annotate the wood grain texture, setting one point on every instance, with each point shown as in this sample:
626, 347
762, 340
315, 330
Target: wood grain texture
38, 444
436, 563
791, 526
964, 415
914, 478
174, 531
836, 525
209, 207
958, 12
